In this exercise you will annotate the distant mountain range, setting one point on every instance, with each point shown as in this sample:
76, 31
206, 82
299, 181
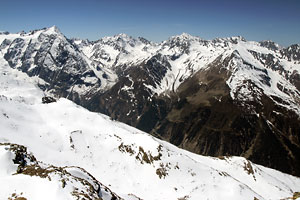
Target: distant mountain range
55, 149
220, 97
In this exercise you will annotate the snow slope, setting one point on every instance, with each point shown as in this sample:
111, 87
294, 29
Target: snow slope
251, 77
130, 162
24, 177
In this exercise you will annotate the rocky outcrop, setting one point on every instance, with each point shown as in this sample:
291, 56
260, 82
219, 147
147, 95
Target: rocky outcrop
73, 181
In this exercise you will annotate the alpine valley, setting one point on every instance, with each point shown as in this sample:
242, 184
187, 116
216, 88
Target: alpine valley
235, 100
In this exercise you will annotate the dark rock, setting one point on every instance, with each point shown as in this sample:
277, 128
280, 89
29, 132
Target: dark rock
48, 100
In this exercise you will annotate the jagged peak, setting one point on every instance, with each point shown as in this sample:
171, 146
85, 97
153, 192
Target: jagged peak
78, 41
21, 32
184, 39
266, 41
240, 38
294, 46
270, 45
119, 37
144, 40
54, 27
4, 32
292, 51
52, 30
119, 41
234, 39
184, 36
122, 35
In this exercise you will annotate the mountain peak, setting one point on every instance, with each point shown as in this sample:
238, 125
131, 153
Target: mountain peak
270, 45
144, 40
4, 32
119, 37
123, 35
241, 38
234, 39
294, 46
183, 39
184, 36
53, 29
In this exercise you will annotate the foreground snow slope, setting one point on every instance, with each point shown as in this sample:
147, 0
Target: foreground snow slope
22, 176
128, 161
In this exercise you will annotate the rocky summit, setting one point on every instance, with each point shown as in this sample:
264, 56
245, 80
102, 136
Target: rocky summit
221, 97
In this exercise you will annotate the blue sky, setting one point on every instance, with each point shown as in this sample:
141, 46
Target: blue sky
156, 20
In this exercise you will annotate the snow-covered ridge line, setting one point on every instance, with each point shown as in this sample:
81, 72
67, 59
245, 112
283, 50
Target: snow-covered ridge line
130, 162
100, 64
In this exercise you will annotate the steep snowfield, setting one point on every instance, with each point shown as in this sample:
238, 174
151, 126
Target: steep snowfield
191, 54
130, 162
251, 78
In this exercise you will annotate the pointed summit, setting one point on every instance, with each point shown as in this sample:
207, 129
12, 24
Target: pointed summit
184, 36
53, 30
183, 41
119, 37
270, 45
123, 35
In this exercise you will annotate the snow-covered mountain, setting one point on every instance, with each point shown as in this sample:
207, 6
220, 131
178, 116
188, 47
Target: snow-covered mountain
226, 96
60, 150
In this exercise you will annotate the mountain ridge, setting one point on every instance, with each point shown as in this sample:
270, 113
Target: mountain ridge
60, 150
179, 90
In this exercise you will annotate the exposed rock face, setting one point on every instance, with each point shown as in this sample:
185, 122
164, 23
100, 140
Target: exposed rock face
48, 55
132, 96
207, 121
221, 97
